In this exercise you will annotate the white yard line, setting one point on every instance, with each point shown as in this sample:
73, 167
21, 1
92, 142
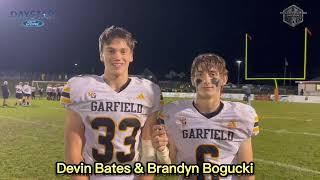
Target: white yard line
290, 112
280, 131
288, 166
279, 117
286, 117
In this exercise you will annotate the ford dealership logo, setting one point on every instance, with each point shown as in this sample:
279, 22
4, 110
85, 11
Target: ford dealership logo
33, 23
32, 18
37, 14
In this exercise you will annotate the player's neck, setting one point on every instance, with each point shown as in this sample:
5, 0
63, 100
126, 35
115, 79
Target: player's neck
116, 82
207, 105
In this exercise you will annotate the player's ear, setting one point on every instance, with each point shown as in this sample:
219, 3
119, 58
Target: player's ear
131, 56
224, 79
101, 57
192, 82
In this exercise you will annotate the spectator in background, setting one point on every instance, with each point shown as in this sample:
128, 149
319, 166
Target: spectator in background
247, 93
54, 92
60, 89
5, 92
49, 92
19, 94
26, 89
41, 90
33, 92
301, 92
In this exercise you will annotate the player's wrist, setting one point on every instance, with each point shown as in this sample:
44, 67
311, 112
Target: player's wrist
147, 151
163, 156
161, 148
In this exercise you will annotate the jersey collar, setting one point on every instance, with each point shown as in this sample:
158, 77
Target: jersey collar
211, 114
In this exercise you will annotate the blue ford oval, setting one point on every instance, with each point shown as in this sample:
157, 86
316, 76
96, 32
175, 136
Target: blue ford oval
33, 23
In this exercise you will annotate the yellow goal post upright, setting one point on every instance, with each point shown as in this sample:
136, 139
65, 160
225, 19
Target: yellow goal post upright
276, 90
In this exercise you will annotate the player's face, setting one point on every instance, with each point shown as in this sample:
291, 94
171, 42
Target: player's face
116, 57
208, 83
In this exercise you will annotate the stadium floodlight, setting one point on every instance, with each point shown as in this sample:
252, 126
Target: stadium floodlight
238, 63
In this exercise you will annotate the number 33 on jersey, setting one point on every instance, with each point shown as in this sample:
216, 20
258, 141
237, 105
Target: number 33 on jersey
112, 120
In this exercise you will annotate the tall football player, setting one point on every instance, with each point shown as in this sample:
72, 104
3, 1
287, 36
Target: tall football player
49, 91
26, 89
206, 128
19, 94
105, 114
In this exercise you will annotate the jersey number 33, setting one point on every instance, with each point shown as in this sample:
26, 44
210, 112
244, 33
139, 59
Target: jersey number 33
107, 139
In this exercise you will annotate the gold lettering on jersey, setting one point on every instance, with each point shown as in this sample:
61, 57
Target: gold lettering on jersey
101, 106
207, 134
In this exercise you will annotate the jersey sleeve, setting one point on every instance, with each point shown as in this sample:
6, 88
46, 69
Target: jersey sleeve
65, 99
253, 119
163, 116
70, 94
156, 95
249, 121
256, 129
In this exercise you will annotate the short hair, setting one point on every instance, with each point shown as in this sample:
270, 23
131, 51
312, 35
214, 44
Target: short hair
113, 32
206, 62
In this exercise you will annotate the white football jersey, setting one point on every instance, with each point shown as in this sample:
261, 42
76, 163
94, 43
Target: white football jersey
60, 88
112, 120
54, 90
26, 89
217, 139
18, 89
49, 89
33, 89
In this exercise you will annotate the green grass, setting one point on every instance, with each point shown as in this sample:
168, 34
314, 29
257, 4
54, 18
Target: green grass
31, 141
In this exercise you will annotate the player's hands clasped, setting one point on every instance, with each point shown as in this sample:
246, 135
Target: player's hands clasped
159, 137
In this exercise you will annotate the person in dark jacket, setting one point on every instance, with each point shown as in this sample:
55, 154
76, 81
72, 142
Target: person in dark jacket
5, 93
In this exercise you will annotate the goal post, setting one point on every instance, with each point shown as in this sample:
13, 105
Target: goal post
276, 89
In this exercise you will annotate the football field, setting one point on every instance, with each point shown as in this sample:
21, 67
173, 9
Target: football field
288, 146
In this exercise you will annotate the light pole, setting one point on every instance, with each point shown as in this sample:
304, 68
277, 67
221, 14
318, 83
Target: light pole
76, 68
238, 63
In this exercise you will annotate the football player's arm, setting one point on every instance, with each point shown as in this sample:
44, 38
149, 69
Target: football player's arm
74, 140
148, 152
150, 122
172, 152
160, 142
245, 154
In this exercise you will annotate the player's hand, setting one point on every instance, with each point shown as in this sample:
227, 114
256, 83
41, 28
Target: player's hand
159, 137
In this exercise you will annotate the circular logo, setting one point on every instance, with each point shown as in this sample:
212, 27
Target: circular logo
33, 23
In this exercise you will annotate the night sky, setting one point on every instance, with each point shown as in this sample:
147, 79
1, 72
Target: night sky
169, 34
